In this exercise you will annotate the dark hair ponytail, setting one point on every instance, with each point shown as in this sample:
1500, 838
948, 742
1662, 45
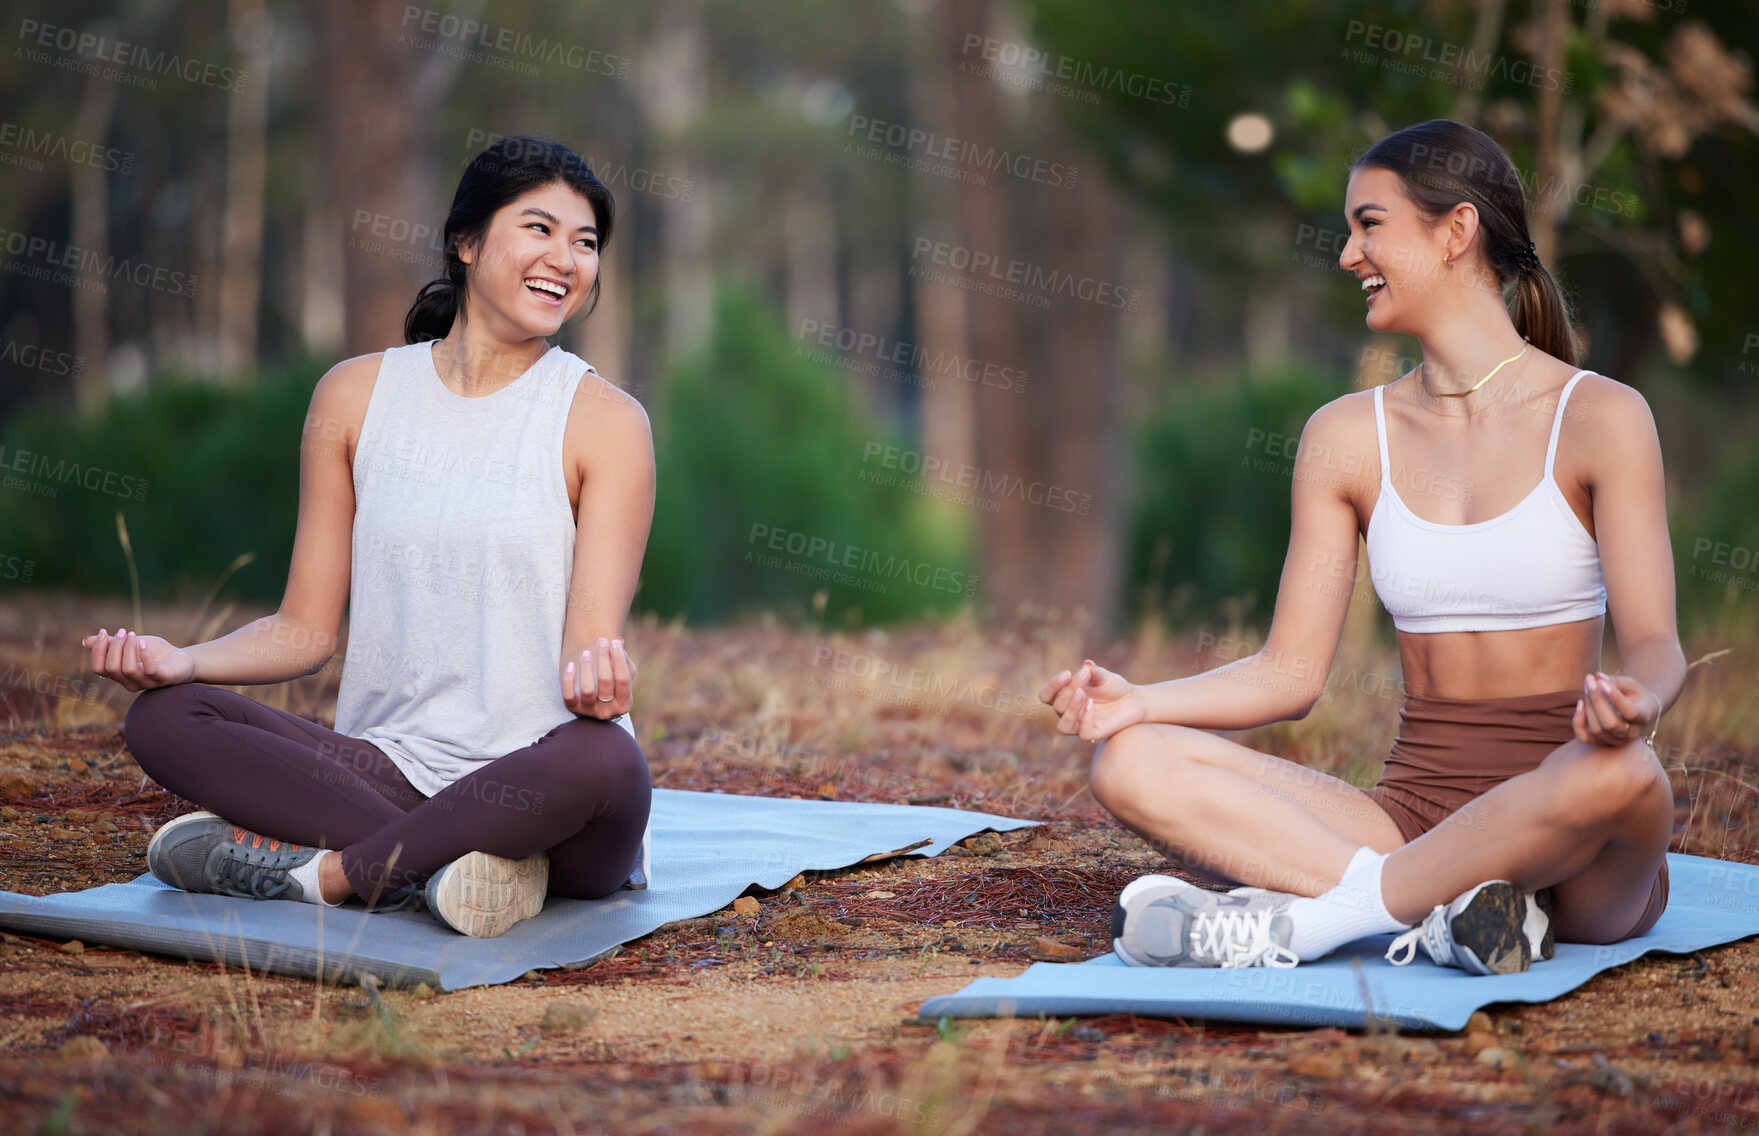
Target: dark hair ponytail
503, 171
1442, 163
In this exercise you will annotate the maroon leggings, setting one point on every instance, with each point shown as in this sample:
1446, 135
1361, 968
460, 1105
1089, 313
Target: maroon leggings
581, 792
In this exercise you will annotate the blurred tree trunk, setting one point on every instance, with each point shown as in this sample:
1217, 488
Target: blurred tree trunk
91, 232
1268, 323
368, 130
1060, 435
948, 405
1076, 394
323, 321
1548, 162
1485, 35
241, 249
809, 250
670, 86
1010, 571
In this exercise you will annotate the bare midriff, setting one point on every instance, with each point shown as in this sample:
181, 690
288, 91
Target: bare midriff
1500, 664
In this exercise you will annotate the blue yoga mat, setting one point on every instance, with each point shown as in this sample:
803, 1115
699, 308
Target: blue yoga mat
707, 849
1709, 902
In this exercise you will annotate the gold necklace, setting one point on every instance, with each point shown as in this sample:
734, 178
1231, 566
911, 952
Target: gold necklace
1423, 381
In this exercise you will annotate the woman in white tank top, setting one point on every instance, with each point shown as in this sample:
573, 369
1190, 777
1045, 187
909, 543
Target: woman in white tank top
1522, 800
481, 499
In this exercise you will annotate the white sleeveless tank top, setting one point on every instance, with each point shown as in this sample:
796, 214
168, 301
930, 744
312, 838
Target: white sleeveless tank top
1530, 566
463, 552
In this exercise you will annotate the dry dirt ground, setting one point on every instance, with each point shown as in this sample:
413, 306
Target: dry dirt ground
800, 1017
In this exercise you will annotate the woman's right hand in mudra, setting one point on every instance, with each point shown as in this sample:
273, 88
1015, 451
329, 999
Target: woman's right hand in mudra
138, 662
1093, 702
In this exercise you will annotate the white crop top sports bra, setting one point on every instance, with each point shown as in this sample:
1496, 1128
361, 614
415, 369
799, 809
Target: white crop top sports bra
1531, 566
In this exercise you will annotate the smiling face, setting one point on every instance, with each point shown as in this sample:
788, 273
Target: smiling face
1390, 241
536, 263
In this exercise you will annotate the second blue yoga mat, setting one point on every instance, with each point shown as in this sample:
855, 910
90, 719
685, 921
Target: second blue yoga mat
1709, 902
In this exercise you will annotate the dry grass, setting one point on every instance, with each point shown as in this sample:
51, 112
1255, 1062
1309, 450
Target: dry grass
797, 1020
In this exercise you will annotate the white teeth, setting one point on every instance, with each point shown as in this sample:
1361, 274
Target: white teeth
547, 286
1371, 282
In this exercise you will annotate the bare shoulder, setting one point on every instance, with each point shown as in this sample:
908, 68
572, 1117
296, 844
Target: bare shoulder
1338, 453
1610, 426
611, 415
1340, 435
1343, 415
338, 404
1609, 403
361, 370
351, 381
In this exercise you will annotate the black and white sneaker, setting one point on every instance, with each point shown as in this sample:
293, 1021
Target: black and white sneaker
1493, 928
1164, 921
482, 895
637, 880
202, 852
1538, 924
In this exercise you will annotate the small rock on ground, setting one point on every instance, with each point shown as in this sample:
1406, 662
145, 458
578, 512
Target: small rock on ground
85, 1047
563, 1015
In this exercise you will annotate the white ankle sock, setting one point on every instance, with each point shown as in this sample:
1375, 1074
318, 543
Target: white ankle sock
306, 876
1350, 910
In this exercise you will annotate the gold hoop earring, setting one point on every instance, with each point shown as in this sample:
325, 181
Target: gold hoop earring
1450, 261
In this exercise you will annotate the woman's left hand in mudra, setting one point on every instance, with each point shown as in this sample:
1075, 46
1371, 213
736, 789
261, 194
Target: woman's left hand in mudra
600, 682
1614, 709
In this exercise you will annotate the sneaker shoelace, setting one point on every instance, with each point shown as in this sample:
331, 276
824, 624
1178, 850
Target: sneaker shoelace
1239, 938
1431, 933
240, 877
241, 874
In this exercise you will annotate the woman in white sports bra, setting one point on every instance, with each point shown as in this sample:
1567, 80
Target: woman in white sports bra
1509, 501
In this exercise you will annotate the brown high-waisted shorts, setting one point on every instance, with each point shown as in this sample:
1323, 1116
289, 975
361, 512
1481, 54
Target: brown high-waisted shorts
1449, 750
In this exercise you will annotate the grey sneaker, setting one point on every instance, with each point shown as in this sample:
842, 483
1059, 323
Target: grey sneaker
482, 895
1493, 928
1164, 921
202, 852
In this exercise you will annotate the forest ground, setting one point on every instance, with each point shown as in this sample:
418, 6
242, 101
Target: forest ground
801, 1017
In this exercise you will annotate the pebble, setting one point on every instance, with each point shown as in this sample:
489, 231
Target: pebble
422, 992
1325, 1065
17, 783
1050, 950
804, 925
85, 1047
562, 1015
73, 947
1477, 1043
985, 844
1481, 1023
746, 905
1494, 1057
